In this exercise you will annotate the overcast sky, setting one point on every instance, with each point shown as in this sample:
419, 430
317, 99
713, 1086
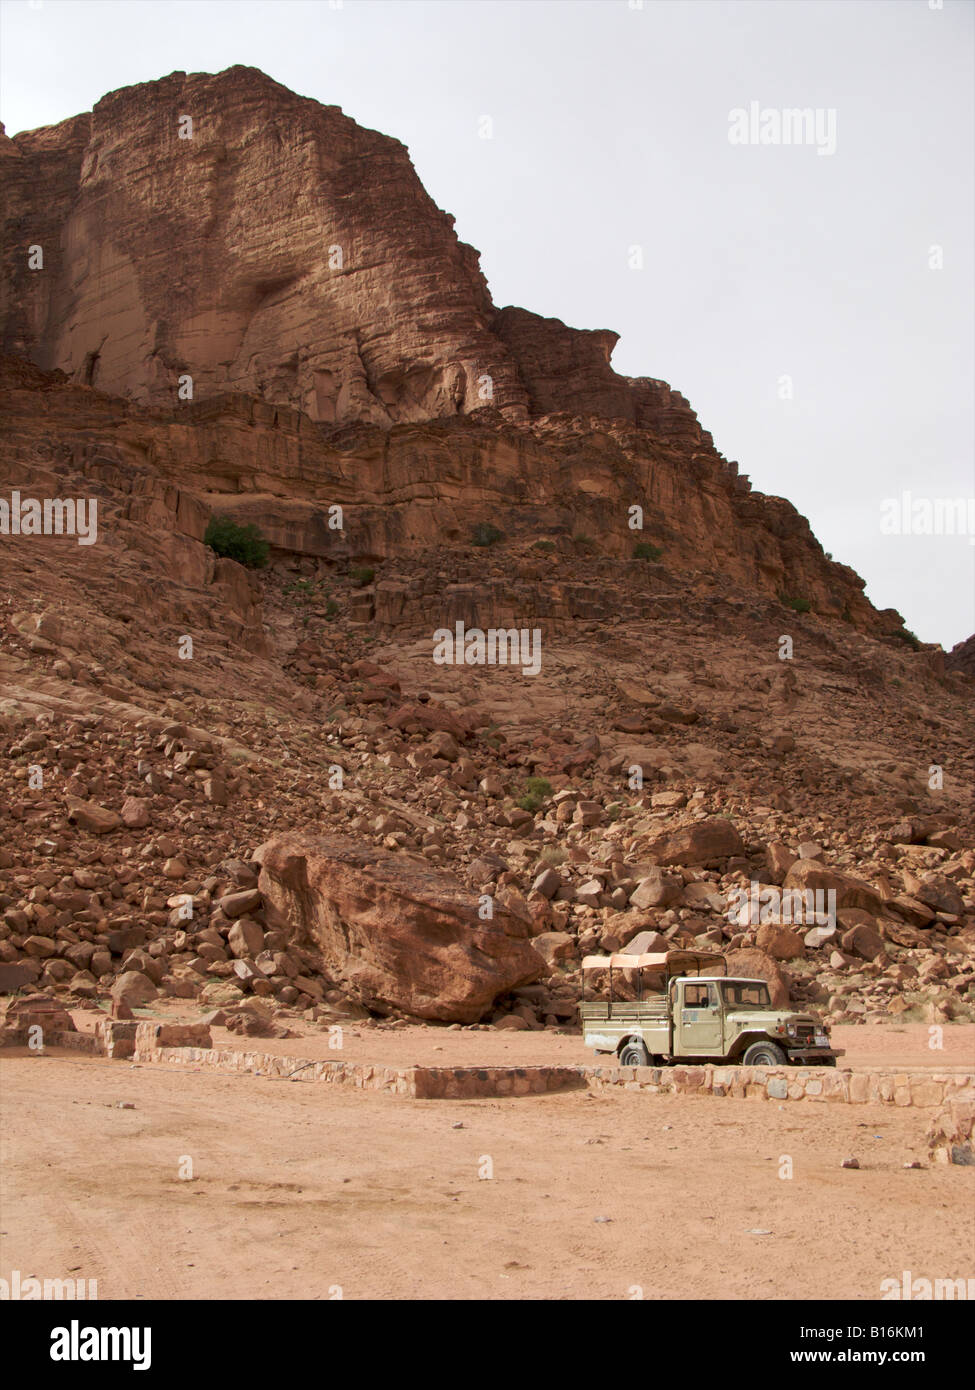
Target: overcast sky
767, 268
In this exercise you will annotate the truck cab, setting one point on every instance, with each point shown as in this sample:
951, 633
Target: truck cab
681, 1016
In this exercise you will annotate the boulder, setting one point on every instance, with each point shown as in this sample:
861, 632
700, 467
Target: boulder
89, 816
554, 946
547, 883
136, 812
245, 938
850, 892
940, 894
757, 965
134, 988
780, 942
240, 904
657, 889
394, 932
700, 843
779, 858
863, 940
16, 975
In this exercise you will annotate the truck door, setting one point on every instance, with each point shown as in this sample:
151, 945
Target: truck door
700, 1020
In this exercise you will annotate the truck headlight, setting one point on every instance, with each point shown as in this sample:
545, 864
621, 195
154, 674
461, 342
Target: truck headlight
791, 1029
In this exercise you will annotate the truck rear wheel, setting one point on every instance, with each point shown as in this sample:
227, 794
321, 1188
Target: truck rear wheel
763, 1054
634, 1054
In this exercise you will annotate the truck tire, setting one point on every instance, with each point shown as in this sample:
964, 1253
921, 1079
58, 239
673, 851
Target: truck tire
763, 1054
634, 1054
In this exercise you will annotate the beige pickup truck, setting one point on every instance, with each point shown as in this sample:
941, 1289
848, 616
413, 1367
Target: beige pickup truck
680, 1014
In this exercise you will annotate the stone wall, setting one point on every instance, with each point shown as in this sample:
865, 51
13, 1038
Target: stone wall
186, 1045
924, 1090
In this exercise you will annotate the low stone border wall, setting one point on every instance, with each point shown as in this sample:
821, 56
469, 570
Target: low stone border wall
925, 1090
464, 1083
188, 1045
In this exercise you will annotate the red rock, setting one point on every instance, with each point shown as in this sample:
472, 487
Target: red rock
756, 965
89, 816
136, 812
700, 843
850, 891
391, 930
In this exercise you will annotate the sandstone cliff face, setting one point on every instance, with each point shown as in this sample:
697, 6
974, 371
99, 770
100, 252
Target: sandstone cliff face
414, 490
282, 251
344, 349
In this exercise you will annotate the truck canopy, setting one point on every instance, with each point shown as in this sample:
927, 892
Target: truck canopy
668, 963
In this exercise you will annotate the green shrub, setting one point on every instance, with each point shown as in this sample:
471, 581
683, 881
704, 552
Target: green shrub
911, 638
643, 550
331, 609
537, 789
800, 605
486, 534
362, 575
242, 543
582, 542
544, 545
303, 588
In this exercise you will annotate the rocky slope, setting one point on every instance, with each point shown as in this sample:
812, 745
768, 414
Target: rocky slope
299, 809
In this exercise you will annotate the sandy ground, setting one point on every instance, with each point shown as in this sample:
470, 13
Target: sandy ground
299, 1190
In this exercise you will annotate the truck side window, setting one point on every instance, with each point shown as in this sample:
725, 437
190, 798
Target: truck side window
695, 996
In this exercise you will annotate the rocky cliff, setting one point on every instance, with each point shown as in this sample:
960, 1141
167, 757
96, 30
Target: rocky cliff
223, 228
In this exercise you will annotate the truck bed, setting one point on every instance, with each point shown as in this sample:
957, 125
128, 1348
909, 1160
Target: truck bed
645, 1011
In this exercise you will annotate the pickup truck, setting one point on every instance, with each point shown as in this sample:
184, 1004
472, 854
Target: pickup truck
696, 1017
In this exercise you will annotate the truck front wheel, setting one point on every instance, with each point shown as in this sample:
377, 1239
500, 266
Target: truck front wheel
634, 1054
763, 1054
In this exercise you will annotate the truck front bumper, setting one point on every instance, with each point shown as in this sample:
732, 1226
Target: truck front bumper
814, 1054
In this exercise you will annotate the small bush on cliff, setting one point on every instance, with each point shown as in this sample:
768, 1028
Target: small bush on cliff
245, 544
537, 789
362, 575
911, 638
643, 550
486, 534
303, 589
799, 605
544, 545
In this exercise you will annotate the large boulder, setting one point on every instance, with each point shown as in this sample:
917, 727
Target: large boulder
394, 932
134, 987
809, 875
657, 889
753, 964
701, 843
779, 942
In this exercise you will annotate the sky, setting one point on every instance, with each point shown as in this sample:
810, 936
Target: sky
808, 288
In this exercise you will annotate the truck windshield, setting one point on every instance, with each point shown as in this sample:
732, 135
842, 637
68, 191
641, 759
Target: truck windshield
744, 994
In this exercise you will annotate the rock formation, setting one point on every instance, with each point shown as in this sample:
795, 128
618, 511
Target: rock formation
225, 228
